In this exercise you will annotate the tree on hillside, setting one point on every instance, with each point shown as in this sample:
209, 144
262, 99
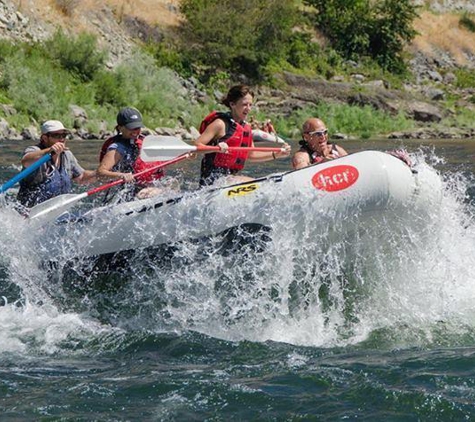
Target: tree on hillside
358, 28
236, 35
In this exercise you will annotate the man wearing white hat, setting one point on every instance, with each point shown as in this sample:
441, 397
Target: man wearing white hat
55, 176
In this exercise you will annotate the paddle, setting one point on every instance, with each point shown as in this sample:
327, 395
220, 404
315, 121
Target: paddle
52, 208
259, 135
161, 148
25, 173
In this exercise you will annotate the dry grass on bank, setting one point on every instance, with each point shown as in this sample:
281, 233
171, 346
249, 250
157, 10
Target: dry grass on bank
442, 32
161, 12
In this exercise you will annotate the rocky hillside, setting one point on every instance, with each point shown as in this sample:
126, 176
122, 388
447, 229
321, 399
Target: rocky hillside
441, 47
117, 23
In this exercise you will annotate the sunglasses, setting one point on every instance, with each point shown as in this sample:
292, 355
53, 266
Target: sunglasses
318, 133
57, 135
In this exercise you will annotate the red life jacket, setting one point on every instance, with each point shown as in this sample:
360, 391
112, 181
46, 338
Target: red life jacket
237, 135
138, 165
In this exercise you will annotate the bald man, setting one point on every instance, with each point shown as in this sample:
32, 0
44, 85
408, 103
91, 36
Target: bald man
314, 145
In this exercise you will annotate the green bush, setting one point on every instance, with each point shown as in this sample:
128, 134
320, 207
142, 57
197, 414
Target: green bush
35, 87
79, 55
7, 49
138, 82
108, 88
236, 35
465, 78
366, 28
363, 122
40, 88
467, 22
168, 54
305, 54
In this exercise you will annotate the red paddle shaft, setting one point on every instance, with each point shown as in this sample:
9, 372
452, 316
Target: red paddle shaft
207, 148
120, 181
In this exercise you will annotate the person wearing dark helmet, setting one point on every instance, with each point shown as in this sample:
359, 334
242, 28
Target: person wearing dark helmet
120, 155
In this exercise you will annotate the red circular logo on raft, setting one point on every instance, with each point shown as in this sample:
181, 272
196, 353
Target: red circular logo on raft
335, 178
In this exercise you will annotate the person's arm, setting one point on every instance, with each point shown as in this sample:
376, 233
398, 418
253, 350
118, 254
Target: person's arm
111, 158
86, 177
215, 130
78, 174
341, 151
300, 160
262, 156
31, 157
402, 155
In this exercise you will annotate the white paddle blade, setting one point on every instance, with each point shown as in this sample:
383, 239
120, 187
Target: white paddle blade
52, 208
163, 148
259, 135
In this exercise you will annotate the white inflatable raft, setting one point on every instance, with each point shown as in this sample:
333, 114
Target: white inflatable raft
364, 185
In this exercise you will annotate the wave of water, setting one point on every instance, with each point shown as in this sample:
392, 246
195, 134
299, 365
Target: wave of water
381, 281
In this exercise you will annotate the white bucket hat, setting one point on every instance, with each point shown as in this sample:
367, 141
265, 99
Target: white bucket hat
52, 126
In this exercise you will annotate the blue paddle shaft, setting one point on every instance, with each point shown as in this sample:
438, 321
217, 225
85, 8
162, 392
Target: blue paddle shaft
25, 173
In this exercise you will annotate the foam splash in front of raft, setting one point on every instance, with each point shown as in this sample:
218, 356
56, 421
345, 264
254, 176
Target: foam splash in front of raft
311, 276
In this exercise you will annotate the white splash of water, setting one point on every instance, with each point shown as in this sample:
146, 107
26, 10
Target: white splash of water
407, 271
324, 279
42, 329
30, 321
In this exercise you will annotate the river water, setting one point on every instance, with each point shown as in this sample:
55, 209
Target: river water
151, 340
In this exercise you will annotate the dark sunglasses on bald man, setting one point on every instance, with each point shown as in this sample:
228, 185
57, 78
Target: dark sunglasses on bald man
318, 133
